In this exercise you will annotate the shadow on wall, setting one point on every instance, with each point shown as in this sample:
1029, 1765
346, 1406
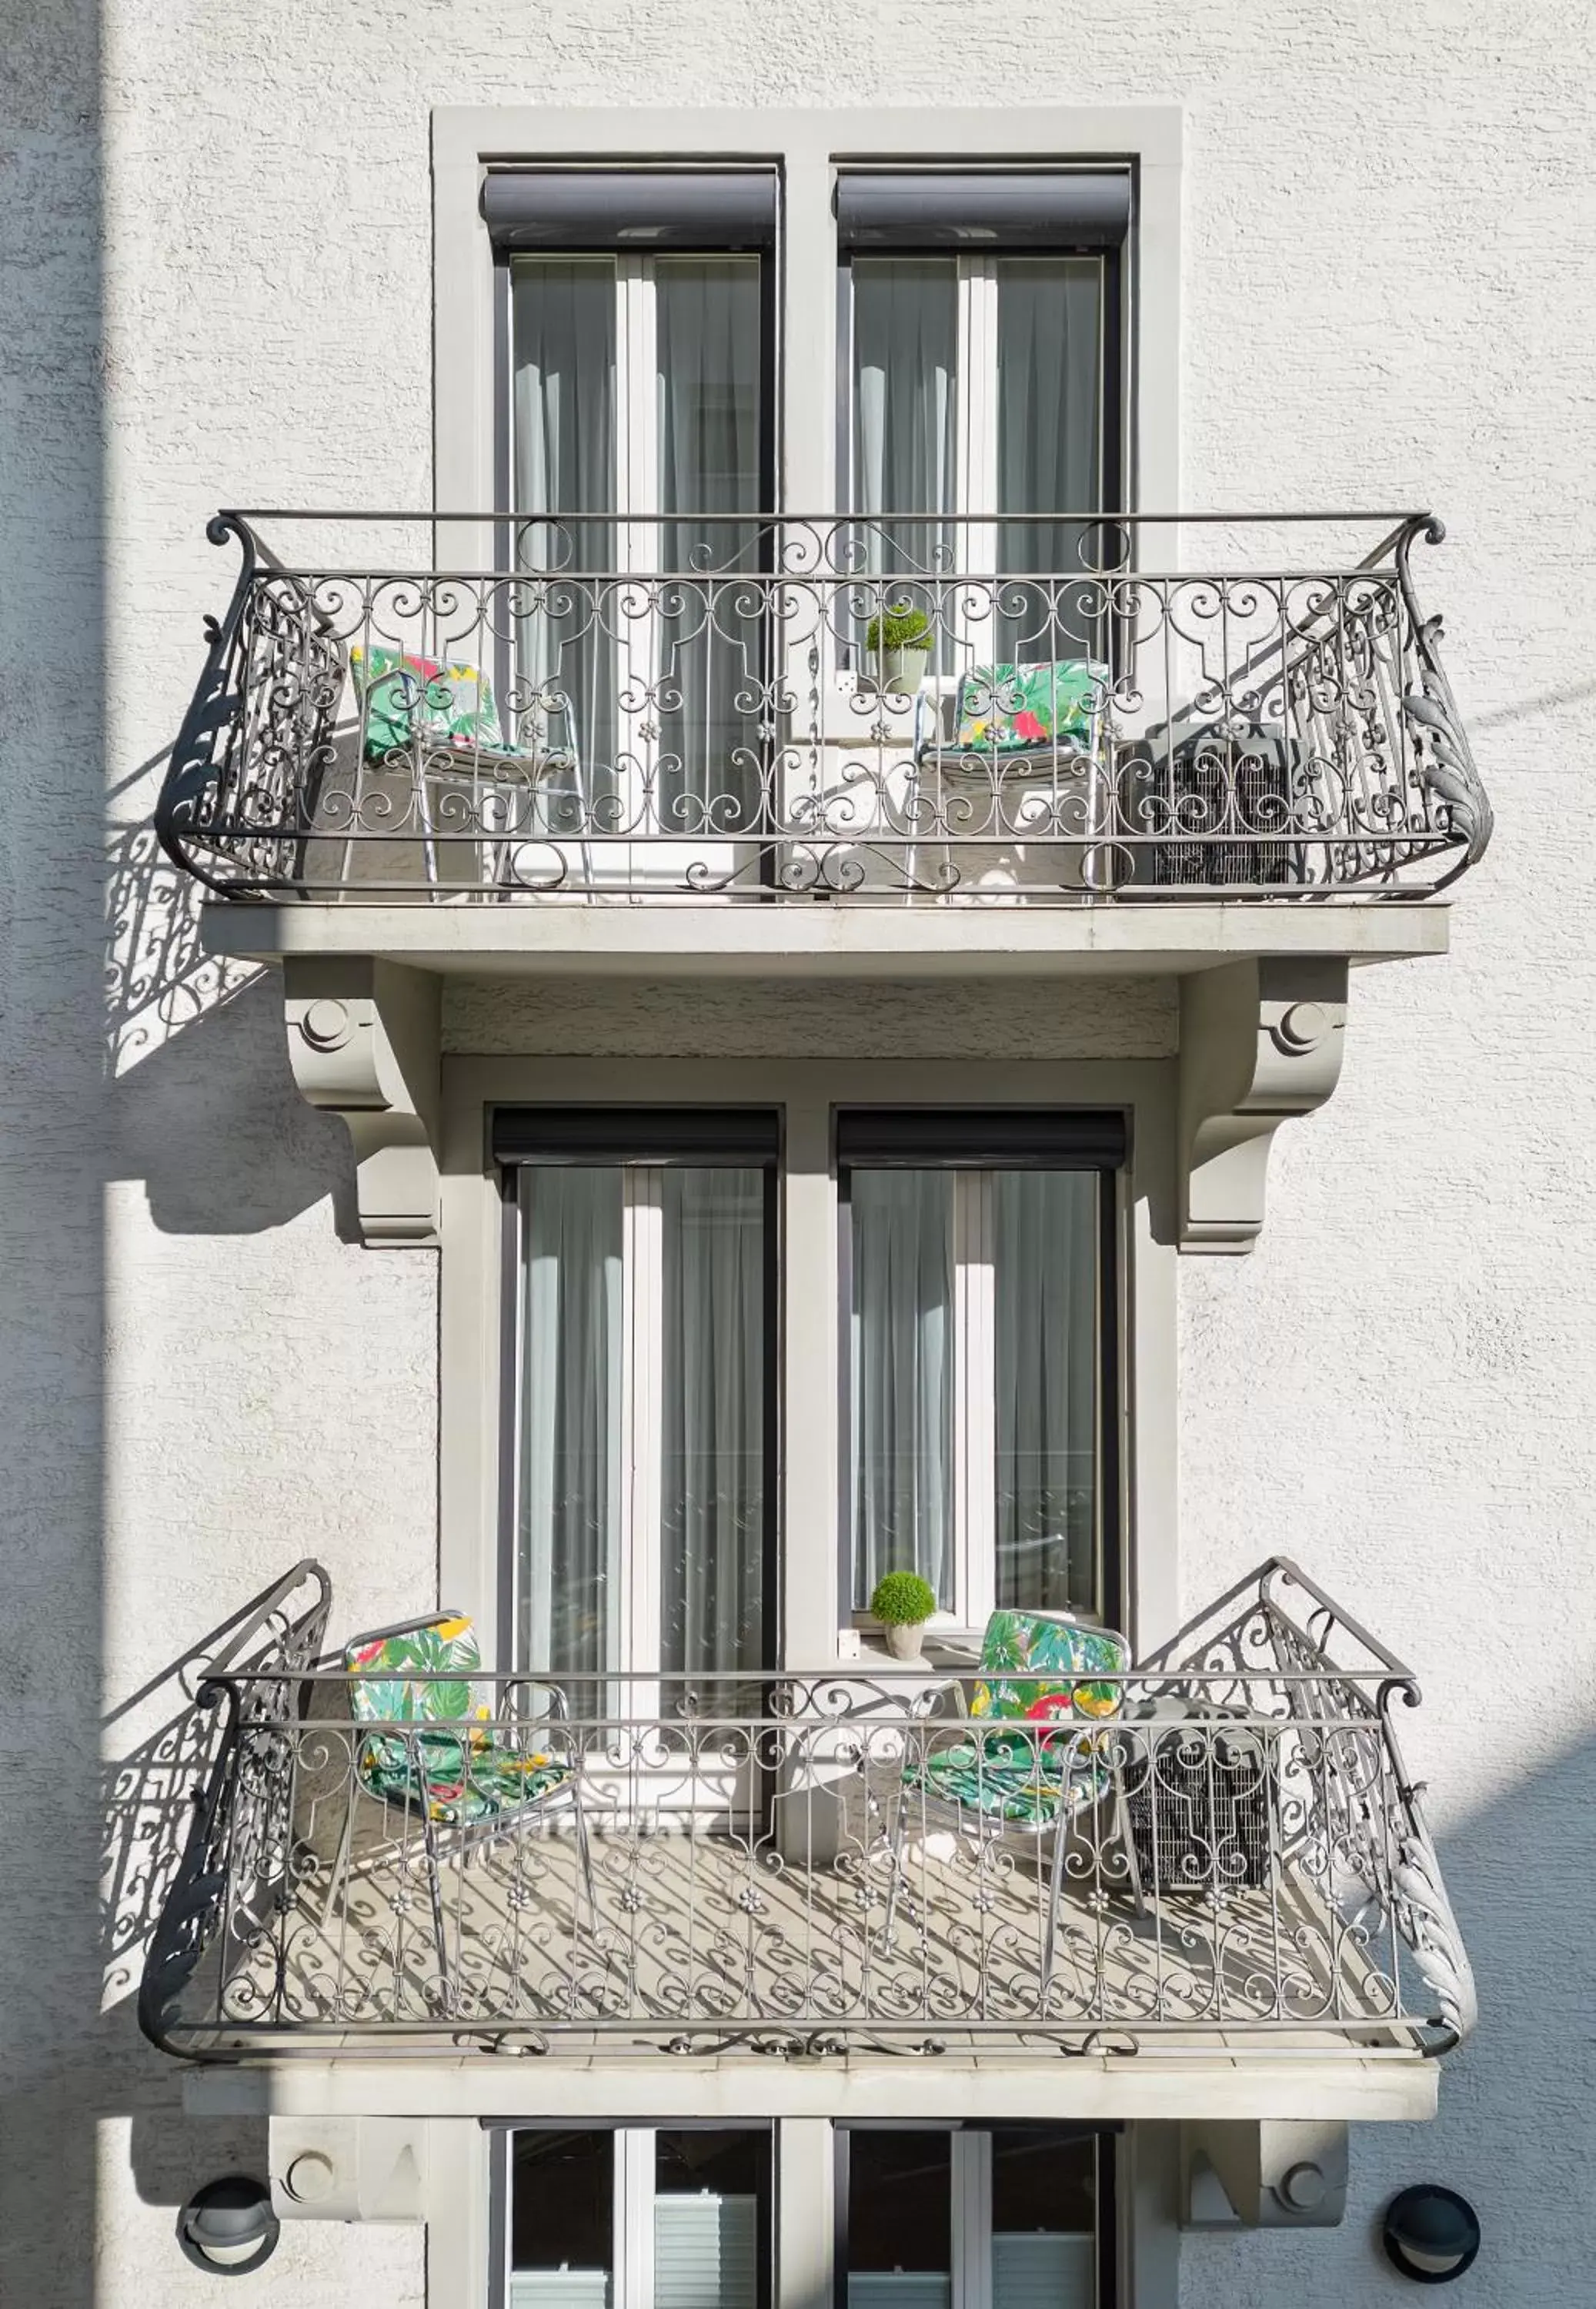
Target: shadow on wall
1516, 2132
1516, 2129
53, 523
203, 1105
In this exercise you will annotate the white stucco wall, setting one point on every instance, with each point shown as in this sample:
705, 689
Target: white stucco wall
1390, 296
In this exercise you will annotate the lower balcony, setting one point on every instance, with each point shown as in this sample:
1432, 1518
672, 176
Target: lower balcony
1215, 1856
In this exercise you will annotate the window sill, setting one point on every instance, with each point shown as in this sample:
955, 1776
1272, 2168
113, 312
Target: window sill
954, 1649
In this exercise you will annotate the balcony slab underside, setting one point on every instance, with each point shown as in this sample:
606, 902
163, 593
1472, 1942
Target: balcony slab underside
651, 939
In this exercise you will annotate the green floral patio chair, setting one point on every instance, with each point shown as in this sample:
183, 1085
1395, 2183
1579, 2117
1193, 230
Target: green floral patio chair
1035, 1759
434, 1746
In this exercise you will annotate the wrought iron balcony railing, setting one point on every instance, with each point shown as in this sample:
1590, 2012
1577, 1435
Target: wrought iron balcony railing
695, 1867
757, 709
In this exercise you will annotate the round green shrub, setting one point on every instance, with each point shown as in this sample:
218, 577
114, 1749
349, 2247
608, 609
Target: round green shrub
903, 627
903, 1599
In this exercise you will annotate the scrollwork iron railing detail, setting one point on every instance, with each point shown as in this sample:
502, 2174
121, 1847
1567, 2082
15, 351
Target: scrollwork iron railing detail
755, 1869
530, 726
250, 1690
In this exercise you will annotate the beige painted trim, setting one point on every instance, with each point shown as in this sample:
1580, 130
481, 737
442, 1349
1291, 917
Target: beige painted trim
459, 2217
674, 938
1153, 2087
805, 145
470, 1323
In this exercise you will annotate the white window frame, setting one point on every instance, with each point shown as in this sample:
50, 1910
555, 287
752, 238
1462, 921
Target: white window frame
976, 397
971, 2227
975, 1414
636, 1634
635, 2198
638, 642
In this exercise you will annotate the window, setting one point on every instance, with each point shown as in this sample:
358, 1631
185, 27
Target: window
1015, 2218
644, 1408
981, 396
980, 1303
639, 410
636, 2218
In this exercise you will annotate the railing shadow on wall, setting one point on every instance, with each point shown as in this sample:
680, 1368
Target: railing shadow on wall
150, 1791
194, 1043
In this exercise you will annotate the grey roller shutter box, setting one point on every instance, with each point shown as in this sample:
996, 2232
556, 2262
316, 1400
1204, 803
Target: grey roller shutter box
953, 208
568, 209
744, 1137
1063, 1139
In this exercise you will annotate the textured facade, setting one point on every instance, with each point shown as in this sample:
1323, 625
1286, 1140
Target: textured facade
217, 245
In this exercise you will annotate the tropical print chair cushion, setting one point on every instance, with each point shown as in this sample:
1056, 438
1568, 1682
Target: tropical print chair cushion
1031, 1662
404, 697
1004, 708
465, 1773
1040, 1676
1026, 1780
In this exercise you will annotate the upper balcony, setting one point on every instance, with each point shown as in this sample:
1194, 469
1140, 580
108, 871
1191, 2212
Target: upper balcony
792, 743
1207, 1879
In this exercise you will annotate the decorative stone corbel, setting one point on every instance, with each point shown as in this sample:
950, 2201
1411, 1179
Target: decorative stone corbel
1260, 1040
363, 1039
349, 2168
1270, 2173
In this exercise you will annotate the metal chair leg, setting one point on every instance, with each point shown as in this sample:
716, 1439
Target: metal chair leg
1061, 1836
584, 1852
434, 1887
895, 1858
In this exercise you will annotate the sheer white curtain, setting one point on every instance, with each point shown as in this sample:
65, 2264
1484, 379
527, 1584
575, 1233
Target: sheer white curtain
902, 1377
713, 1419
564, 329
905, 362
1045, 1295
571, 1446
707, 338
1049, 446
905, 412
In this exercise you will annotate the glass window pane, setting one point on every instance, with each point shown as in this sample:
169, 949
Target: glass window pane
902, 1377
571, 1424
1044, 2210
900, 2219
708, 340
904, 420
565, 425
712, 1506
1045, 1314
1043, 2180
1050, 451
562, 2220
711, 2238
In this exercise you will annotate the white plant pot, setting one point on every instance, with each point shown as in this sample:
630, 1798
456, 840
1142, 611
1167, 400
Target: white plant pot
900, 671
904, 1641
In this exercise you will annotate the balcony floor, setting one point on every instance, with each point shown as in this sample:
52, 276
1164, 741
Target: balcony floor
713, 1944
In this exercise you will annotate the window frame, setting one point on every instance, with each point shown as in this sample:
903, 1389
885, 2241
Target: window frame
659, 1139
927, 1144
978, 330
970, 2206
635, 2188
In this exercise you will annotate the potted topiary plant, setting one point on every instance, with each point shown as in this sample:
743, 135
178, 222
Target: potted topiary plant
902, 1603
899, 644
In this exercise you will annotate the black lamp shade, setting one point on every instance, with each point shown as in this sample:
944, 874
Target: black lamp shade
229, 2226
1430, 2233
